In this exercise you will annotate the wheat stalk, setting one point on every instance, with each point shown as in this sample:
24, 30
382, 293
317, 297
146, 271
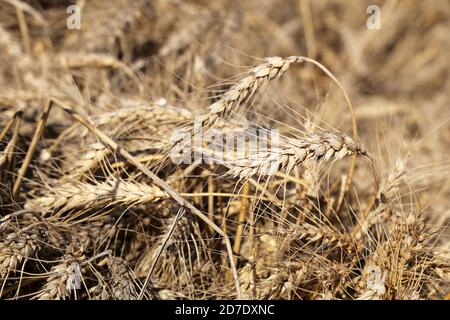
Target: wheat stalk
170, 240
7, 154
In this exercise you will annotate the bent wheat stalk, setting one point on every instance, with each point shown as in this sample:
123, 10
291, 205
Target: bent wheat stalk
163, 245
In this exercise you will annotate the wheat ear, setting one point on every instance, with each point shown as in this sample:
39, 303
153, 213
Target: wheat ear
57, 286
243, 91
122, 281
113, 192
294, 152
17, 247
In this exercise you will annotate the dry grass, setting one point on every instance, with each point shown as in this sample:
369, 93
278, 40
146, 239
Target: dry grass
89, 119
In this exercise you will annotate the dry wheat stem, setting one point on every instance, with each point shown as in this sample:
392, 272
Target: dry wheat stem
8, 152
10, 123
163, 246
23, 27
37, 135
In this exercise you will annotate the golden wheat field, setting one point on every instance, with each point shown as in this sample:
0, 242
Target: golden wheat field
261, 149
